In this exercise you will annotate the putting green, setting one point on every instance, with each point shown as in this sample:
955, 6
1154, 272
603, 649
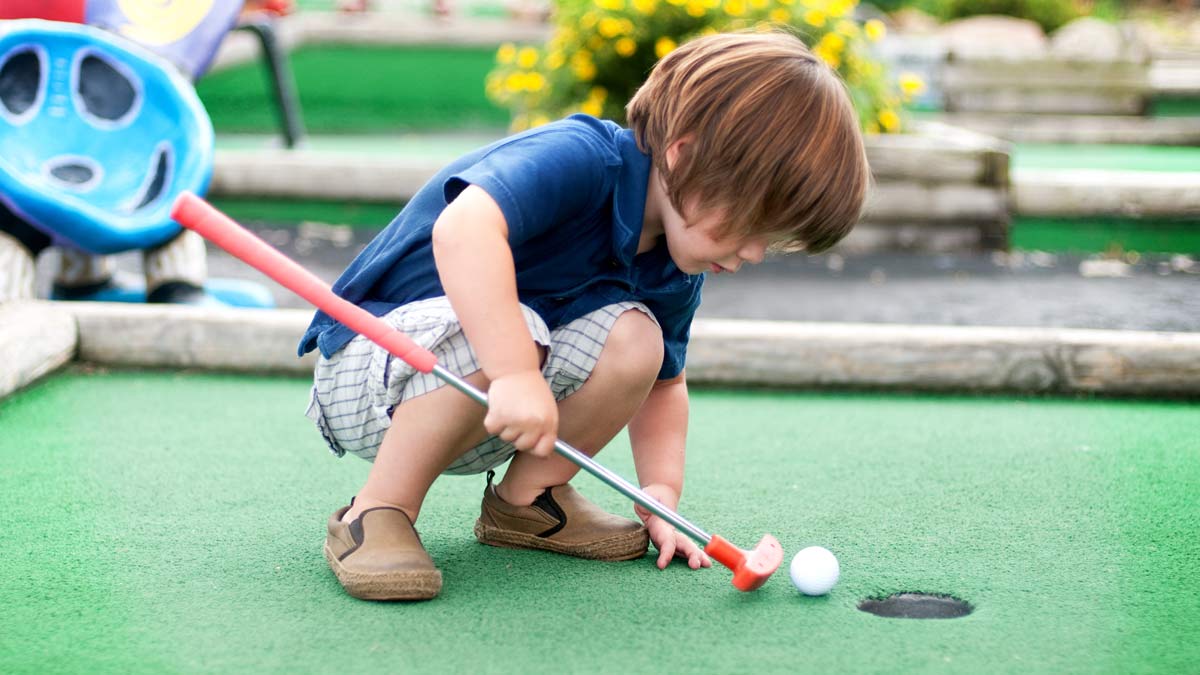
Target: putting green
173, 522
1173, 159
347, 89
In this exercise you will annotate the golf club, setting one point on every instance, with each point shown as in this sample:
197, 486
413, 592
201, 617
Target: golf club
751, 568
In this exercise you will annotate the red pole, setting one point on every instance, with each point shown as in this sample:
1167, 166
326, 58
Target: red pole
51, 10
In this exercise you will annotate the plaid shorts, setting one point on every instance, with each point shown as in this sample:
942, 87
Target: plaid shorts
355, 390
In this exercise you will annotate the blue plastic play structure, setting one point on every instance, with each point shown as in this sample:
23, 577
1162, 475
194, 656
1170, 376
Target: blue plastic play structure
97, 136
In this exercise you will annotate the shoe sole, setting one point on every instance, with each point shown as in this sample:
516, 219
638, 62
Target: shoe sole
627, 546
400, 585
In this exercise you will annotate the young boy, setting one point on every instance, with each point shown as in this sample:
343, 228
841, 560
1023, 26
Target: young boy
559, 269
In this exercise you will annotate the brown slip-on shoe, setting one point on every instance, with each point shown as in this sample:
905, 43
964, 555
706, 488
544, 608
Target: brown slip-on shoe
562, 521
379, 556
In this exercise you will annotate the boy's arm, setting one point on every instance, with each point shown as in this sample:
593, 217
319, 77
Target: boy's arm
658, 435
475, 265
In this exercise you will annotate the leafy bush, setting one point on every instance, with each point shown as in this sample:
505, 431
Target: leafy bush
600, 51
1049, 14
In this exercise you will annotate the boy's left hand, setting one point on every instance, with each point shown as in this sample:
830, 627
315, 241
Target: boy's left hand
669, 542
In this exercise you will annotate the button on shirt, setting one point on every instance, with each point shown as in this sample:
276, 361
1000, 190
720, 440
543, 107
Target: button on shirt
573, 194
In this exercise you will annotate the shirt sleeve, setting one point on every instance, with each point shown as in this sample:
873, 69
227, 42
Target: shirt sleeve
676, 325
541, 180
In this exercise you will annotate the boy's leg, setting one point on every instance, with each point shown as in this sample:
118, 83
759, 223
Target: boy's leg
372, 545
546, 513
596, 413
427, 434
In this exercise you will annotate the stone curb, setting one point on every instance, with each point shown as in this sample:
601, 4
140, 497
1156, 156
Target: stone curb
1075, 192
722, 352
36, 338
1091, 192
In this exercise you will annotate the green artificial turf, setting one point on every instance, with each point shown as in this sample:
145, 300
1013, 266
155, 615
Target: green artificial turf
1175, 107
173, 523
347, 89
330, 212
1106, 157
1096, 234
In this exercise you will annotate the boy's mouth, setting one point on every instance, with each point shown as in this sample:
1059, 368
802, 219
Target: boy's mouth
716, 269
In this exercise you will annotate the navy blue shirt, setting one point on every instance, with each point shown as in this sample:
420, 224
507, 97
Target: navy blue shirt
573, 194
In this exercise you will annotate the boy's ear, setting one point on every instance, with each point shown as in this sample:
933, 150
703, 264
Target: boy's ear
676, 148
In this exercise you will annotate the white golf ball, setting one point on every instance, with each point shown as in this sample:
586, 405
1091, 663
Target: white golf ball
814, 571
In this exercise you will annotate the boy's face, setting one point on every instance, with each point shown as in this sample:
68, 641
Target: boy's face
693, 237
696, 245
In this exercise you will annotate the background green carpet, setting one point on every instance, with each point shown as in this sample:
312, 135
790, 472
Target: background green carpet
173, 523
347, 89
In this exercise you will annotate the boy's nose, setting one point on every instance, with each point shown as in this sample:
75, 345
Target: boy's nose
753, 253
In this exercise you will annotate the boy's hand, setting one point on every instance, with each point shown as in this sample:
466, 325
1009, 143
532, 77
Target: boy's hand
522, 411
669, 542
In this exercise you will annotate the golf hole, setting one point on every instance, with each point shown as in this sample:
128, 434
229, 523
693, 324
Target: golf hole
916, 606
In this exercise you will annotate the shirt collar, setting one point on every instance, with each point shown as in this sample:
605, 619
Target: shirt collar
629, 197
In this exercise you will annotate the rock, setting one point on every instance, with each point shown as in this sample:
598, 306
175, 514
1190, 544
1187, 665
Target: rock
994, 37
1094, 40
912, 21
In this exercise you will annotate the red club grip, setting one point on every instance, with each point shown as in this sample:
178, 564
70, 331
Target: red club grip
196, 214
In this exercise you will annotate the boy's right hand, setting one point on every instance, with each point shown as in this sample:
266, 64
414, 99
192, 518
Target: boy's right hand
522, 411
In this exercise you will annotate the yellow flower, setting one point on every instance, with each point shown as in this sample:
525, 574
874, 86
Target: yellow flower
832, 58
889, 120
585, 71
554, 60
495, 86
911, 85
759, 4
535, 82
708, 30
677, 3
591, 107
520, 123
588, 20
840, 8
645, 6
786, 3
515, 82
779, 15
873, 128
735, 7
583, 67
611, 5
847, 28
664, 46
610, 27
625, 47
695, 8
875, 30
834, 42
527, 58
506, 53
598, 94
814, 17
538, 120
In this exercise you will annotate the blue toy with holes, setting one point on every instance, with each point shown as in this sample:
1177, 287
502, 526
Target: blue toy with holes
97, 136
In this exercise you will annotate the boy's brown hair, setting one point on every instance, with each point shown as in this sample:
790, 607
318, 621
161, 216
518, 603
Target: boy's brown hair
775, 138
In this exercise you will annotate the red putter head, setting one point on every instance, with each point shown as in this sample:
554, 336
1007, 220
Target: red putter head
751, 569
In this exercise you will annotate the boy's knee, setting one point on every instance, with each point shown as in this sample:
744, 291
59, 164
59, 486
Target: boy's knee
634, 346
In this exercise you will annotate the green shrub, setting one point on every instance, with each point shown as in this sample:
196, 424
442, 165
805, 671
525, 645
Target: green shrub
600, 51
1049, 14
